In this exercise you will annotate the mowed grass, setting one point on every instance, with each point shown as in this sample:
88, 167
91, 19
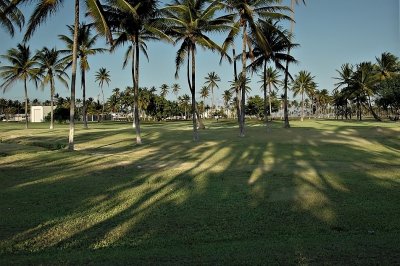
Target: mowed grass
321, 192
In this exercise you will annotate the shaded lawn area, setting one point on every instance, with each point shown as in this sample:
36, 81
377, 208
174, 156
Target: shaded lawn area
322, 192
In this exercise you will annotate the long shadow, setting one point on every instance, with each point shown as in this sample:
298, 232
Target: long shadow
298, 196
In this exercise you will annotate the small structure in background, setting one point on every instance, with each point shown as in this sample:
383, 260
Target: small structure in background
38, 113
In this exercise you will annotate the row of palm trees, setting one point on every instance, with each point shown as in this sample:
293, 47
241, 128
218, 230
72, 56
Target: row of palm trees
44, 67
184, 22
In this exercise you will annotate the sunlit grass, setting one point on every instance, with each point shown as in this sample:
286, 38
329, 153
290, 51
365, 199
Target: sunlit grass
321, 192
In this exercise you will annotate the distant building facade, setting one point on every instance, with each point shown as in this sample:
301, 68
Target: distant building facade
38, 113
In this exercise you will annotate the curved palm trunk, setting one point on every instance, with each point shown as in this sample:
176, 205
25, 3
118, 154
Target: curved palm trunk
376, 117
83, 84
193, 91
243, 89
199, 120
73, 80
26, 104
52, 89
136, 92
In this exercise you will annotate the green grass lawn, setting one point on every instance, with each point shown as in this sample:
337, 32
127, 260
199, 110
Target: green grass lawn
321, 192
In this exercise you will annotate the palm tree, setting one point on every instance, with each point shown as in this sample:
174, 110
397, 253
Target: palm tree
227, 96
164, 90
184, 102
285, 95
22, 67
278, 43
387, 65
248, 12
52, 66
204, 92
86, 41
10, 15
212, 80
269, 79
303, 84
323, 100
188, 22
175, 89
344, 79
135, 22
103, 75
362, 83
41, 12
241, 82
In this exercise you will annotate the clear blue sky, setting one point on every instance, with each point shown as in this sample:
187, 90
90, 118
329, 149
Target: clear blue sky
330, 32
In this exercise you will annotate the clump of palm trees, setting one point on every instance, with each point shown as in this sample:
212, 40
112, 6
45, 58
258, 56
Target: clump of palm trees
365, 85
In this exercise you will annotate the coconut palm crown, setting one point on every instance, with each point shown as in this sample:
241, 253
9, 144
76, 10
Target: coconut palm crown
22, 67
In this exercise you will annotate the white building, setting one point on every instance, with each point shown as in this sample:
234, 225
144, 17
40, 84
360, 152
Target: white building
38, 113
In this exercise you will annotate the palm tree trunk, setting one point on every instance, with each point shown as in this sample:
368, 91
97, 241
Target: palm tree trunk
285, 102
265, 94
302, 106
243, 88
212, 99
133, 81
238, 112
199, 120
73, 80
376, 117
26, 104
102, 110
270, 101
285, 95
193, 90
136, 92
52, 89
83, 84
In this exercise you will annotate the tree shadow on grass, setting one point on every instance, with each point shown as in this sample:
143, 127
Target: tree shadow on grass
298, 196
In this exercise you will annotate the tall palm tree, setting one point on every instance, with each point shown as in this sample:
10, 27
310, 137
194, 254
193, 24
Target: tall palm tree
285, 95
269, 79
227, 96
188, 22
135, 22
41, 12
204, 92
303, 84
101, 76
52, 66
248, 12
344, 79
23, 66
164, 89
176, 88
10, 15
323, 99
212, 80
184, 102
362, 82
86, 41
278, 41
